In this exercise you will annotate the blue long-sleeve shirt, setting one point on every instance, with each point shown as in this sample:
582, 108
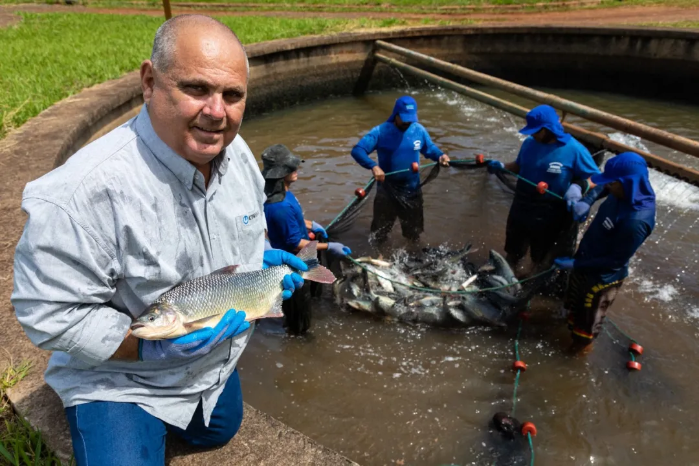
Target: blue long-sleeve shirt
557, 164
613, 238
397, 150
285, 224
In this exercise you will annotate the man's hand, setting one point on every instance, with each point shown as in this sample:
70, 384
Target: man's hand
197, 343
564, 263
319, 231
379, 175
573, 195
444, 160
495, 166
291, 282
580, 210
338, 249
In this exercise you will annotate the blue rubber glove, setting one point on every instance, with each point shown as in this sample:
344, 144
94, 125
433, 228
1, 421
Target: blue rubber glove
197, 343
338, 249
291, 282
580, 211
573, 195
494, 166
318, 229
564, 263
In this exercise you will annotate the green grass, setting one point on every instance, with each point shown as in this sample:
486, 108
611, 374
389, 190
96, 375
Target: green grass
680, 24
20, 444
50, 56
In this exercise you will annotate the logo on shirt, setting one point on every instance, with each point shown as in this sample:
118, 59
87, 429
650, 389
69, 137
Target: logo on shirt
248, 218
555, 167
417, 145
608, 224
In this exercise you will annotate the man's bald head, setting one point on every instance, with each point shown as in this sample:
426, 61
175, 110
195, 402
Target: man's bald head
165, 42
195, 87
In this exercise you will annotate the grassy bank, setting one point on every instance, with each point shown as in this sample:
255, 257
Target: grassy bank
48, 57
20, 445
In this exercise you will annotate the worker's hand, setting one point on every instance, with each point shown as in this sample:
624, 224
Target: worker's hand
319, 231
495, 166
338, 249
564, 263
197, 343
580, 210
291, 282
379, 175
444, 160
573, 195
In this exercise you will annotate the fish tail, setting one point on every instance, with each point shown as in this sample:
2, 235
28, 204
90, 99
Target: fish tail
316, 272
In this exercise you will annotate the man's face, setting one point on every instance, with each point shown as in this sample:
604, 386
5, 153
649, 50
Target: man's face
291, 177
616, 189
196, 106
544, 136
400, 124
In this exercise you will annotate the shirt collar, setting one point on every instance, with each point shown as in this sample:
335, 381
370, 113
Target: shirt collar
183, 170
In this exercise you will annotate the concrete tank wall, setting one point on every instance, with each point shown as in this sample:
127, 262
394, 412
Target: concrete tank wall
655, 63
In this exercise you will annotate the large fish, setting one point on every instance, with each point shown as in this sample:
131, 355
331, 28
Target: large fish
201, 302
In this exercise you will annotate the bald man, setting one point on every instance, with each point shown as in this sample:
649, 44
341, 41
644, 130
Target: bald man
171, 195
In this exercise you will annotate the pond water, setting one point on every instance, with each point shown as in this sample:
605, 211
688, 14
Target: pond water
392, 393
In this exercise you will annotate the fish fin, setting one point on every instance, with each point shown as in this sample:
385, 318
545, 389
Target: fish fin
229, 269
309, 251
210, 321
319, 274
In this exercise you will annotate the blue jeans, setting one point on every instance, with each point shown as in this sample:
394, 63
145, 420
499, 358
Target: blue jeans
107, 433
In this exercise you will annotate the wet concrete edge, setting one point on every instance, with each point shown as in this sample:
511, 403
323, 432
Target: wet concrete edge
48, 139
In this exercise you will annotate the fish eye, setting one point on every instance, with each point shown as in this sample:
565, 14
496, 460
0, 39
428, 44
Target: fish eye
151, 318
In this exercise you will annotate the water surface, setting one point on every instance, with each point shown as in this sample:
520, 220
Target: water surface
390, 393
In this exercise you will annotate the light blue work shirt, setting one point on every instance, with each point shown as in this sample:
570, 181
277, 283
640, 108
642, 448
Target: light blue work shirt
557, 164
122, 221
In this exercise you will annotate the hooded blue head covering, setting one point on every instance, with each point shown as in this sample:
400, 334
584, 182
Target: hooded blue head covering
544, 116
406, 109
631, 169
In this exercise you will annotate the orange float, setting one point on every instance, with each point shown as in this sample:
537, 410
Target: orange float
529, 428
519, 366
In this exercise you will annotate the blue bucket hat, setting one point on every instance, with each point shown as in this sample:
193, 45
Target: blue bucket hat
544, 116
406, 109
631, 170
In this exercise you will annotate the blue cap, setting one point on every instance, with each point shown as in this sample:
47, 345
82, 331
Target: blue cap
545, 116
621, 166
406, 109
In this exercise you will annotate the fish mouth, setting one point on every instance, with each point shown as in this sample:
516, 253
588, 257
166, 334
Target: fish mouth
137, 325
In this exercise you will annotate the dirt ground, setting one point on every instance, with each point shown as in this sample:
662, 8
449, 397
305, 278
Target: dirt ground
585, 16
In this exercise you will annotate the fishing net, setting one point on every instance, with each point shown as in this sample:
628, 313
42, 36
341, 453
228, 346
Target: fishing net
344, 221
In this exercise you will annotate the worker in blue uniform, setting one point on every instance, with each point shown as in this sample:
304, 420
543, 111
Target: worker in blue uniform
287, 229
398, 142
538, 222
623, 222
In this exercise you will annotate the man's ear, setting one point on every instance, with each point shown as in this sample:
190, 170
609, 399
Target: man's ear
147, 80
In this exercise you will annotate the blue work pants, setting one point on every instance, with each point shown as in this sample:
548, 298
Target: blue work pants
107, 433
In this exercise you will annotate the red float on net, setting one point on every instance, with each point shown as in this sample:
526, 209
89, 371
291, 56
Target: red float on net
415, 167
360, 193
529, 428
480, 159
519, 366
542, 187
633, 366
636, 349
